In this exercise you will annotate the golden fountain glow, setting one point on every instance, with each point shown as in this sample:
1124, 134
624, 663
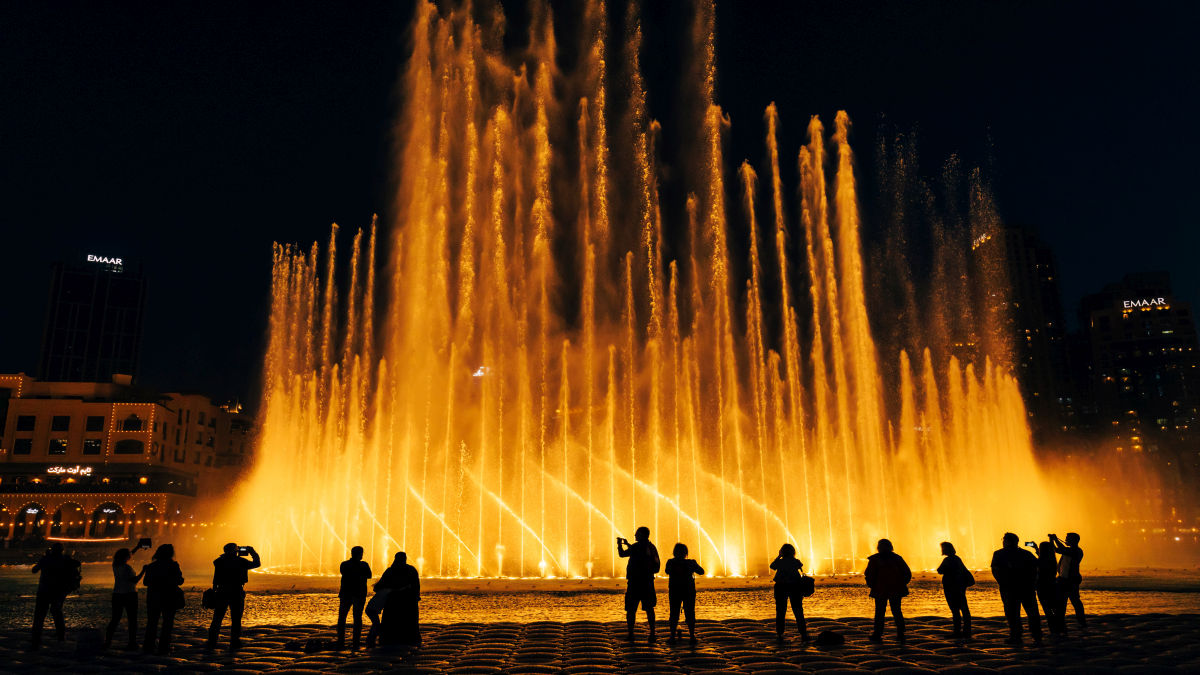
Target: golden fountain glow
548, 369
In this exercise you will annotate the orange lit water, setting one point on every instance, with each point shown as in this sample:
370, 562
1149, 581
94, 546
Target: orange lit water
289, 600
523, 366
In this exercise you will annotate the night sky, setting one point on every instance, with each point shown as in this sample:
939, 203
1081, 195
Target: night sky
187, 137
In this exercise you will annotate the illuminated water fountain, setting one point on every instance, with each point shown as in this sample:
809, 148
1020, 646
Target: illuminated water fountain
525, 366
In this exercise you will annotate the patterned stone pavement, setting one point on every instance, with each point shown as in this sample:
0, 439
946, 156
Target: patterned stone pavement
1117, 643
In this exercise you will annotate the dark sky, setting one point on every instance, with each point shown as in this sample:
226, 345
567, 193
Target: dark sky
189, 136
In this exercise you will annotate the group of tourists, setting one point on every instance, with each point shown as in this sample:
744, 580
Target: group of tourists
163, 579
1052, 577
392, 610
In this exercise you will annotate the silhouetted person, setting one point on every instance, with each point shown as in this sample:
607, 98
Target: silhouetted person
376, 605
887, 576
352, 595
229, 581
401, 624
162, 578
1047, 589
788, 577
681, 590
643, 564
1016, 573
57, 572
1069, 577
124, 596
955, 579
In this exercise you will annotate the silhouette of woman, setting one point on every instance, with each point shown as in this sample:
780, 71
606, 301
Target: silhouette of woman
1047, 588
887, 576
164, 597
788, 575
681, 590
124, 597
955, 580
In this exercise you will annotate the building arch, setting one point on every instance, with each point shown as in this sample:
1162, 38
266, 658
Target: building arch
129, 446
145, 516
107, 520
70, 520
30, 520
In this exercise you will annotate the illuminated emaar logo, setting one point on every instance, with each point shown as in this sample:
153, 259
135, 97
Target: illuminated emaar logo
103, 260
1144, 302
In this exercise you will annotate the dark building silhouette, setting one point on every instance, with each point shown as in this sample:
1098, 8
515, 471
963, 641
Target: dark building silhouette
1144, 370
94, 320
1030, 319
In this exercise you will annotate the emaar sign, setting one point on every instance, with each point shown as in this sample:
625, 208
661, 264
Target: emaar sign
103, 260
1144, 302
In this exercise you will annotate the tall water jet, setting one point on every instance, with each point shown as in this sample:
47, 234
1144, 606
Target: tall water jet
546, 359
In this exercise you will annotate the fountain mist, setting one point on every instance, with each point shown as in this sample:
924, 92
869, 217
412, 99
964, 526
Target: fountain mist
536, 368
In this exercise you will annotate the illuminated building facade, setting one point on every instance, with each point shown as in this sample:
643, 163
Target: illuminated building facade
1032, 321
1145, 369
84, 460
93, 322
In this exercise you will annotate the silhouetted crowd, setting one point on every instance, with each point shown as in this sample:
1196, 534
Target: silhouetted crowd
1051, 578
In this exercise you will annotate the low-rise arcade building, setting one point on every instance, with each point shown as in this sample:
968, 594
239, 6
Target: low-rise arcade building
87, 462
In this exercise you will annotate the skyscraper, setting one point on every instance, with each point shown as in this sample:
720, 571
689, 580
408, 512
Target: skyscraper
94, 320
1144, 365
1029, 315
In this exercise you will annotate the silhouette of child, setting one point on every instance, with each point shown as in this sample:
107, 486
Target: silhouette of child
681, 590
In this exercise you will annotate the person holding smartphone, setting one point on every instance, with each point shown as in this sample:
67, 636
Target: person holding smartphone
229, 580
1069, 578
124, 595
644, 563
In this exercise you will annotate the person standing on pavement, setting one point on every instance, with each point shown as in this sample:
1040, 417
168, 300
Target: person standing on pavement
229, 581
352, 595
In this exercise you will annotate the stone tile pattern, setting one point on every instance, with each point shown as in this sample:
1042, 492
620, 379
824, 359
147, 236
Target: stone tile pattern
1118, 643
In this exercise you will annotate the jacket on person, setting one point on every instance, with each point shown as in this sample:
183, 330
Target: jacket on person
1015, 570
887, 575
162, 576
229, 571
954, 572
57, 574
643, 563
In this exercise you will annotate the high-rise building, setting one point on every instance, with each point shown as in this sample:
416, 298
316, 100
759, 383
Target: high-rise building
94, 320
1144, 371
1027, 312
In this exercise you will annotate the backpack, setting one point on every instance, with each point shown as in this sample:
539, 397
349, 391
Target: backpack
72, 576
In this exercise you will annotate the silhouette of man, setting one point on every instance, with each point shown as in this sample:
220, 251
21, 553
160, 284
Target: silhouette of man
887, 575
643, 564
1016, 572
1069, 577
352, 595
55, 570
401, 622
229, 580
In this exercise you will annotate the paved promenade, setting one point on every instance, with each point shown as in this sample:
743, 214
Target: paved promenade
1119, 643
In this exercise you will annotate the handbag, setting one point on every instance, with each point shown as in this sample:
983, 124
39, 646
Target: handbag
210, 599
808, 585
179, 600
968, 578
